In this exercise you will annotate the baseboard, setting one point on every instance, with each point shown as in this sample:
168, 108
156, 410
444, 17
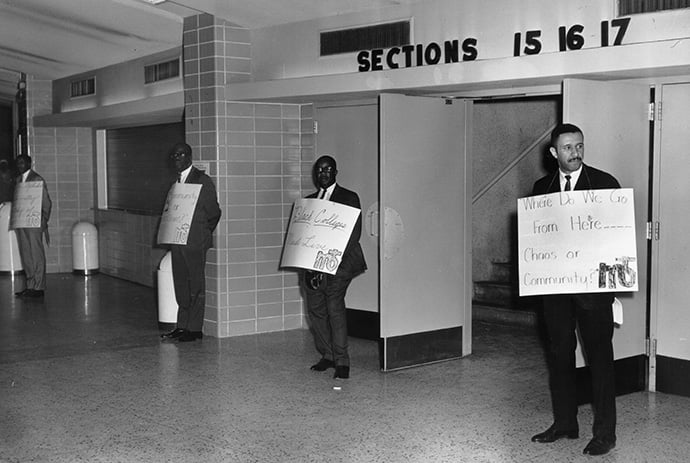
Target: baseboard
673, 375
630, 377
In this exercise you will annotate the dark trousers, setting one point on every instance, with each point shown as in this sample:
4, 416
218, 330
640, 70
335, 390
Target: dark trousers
33, 255
592, 315
328, 318
189, 279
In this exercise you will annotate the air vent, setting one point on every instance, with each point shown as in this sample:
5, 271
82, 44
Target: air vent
161, 71
82, 87
365, 38
627, 7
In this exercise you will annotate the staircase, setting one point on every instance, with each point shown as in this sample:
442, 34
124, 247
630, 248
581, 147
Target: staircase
497, 300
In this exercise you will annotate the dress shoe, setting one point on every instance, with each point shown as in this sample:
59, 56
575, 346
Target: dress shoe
341, 372
174, 334
323, 365
599, 446
22, 293
189, 336
35, 293
553, 434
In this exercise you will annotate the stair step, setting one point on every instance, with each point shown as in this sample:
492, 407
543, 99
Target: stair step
495, 314
500, 292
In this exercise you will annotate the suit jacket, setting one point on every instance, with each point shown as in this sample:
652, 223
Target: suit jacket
207, 212
590, 179
46, 203
352, 263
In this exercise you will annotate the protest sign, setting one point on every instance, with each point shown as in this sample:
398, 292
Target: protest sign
177, 213
27, 204
577, 242
318, 234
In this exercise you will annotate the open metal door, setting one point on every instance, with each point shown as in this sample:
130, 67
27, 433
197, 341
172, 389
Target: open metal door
425, 251
670, 320
614, 117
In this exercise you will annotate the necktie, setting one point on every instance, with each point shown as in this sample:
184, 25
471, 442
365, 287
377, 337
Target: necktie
179, 178
567, 183
322, 193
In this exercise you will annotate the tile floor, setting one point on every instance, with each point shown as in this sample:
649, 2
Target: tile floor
84, 378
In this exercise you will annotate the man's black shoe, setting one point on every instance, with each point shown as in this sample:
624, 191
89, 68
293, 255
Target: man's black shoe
189, 336
323, 365
341, 372
174, 334
22, 293
599, 446
552, 435
37, 293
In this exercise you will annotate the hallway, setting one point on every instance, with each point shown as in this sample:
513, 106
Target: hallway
84, 378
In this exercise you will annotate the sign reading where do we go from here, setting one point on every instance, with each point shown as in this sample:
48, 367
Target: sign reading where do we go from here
577, 242
318, 234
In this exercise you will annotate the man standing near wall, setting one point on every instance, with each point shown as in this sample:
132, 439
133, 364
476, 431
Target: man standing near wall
590, 313
326, 293
189, 260
30, 240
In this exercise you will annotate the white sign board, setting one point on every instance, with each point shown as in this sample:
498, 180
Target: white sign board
178, 211
577, 242
26, 207
318, 234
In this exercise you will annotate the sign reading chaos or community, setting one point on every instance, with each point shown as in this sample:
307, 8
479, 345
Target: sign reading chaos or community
318, 234
178, 211
27, 204
577, 242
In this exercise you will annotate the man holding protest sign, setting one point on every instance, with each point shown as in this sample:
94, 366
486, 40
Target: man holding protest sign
591, 313
30, 214
326, 293
190, 242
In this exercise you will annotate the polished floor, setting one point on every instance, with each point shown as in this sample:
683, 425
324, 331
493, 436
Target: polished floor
84, 378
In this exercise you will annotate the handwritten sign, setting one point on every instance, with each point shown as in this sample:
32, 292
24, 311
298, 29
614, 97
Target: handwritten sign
178, 211
27, 204
318, 234
577, 242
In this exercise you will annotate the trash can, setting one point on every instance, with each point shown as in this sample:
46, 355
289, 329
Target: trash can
10, 260
167, 304
84, 249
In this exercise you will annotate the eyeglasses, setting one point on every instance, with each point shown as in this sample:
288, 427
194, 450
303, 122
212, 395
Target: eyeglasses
327, 170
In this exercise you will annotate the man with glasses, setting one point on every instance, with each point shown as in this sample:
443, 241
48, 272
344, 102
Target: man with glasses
590, 313
189, 260
326, 293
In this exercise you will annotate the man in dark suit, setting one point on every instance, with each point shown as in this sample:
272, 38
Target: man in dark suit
189, 260
326, 293
590, 312
30, 240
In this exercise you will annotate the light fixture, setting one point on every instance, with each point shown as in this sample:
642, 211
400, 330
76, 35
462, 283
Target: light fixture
154, 2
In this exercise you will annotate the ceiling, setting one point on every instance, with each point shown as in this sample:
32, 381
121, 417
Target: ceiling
50, 39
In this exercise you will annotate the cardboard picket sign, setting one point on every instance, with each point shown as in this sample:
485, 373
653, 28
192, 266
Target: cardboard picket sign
318, 234
178, 211
27, 205
577, 242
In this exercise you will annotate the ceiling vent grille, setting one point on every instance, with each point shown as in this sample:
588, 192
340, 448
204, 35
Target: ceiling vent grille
82, 87
161, 71
626, 7
365, 38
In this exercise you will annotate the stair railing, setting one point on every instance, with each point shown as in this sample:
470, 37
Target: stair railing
512, 164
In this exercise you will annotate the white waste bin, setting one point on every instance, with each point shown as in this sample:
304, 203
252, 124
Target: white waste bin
10, 260
84, 249
167, 304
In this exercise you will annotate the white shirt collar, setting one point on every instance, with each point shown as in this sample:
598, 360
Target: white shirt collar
184, 174
574, 176
329, 192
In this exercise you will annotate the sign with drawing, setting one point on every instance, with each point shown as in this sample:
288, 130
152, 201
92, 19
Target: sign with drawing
178, 211
577, 242
27, 204
318, 234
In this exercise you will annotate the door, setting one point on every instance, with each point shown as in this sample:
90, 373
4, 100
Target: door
349, 131
670, 320
614, 119
425, 252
